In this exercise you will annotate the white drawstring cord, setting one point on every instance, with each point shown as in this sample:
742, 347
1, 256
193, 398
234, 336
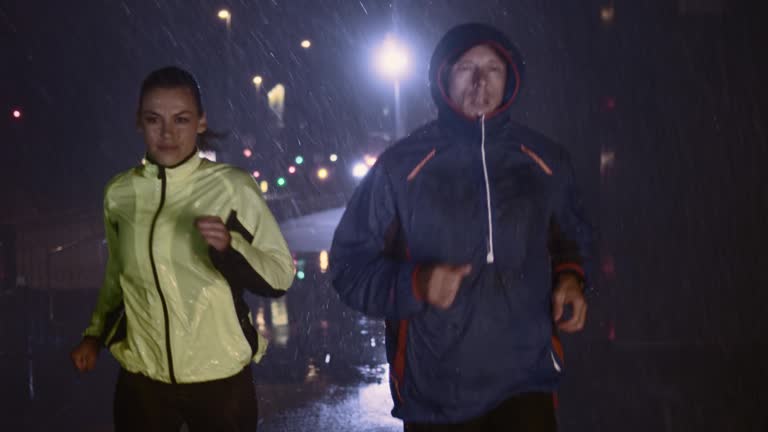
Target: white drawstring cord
489, 258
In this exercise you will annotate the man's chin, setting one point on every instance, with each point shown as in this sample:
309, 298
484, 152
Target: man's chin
478, 110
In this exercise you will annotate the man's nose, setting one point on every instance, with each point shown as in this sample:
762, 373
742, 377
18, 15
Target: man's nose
480, 77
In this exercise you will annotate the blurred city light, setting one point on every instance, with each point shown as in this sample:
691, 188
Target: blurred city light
306, 44
360, 170
607, 14
207, 154
334, 157
276, 100
256, 174
369, 160
323, 261
225, 16
291, 169
281, 181
247, 152
322, 173
299, 160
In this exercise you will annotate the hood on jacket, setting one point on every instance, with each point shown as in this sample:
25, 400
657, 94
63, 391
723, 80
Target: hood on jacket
456, 42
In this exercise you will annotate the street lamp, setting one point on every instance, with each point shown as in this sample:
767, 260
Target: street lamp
257, 81
276, 101
226, 17
306, 43
392, 62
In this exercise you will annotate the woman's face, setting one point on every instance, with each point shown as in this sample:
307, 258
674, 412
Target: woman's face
170, 121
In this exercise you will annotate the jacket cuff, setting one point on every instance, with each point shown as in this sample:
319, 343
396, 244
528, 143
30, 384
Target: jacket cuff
570, 268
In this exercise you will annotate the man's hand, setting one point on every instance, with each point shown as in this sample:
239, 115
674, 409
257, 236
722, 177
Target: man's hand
84, 355
569, 290
438, 285
214, 232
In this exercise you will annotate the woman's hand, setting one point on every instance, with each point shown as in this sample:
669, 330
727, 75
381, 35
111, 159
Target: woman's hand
214, 232
85, 354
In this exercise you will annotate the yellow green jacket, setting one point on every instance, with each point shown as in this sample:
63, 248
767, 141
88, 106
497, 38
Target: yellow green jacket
171, 307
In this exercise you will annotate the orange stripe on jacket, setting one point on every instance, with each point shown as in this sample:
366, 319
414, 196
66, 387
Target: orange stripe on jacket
421, 164
536, 159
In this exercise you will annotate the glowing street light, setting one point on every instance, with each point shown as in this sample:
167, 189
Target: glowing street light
281, 181
256, 174
334, 157
247, 152
225, 16
299, 160
306, 43
264, 186
322, 173
392, 59
359, 170
16, 114
276, 100
257, 81
291, 169
392, 62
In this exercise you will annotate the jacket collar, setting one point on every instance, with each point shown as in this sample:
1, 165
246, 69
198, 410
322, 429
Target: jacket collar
179, 171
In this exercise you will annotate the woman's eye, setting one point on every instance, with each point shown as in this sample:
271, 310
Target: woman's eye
150, 120
182, 120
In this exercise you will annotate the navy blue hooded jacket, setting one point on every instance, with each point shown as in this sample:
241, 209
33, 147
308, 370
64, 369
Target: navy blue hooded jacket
486, 192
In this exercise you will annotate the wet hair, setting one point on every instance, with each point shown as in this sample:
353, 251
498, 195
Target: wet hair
176, 77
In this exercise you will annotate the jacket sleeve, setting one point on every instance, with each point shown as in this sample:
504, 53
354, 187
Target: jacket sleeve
570, 240
111, 295
258, 259
365, 266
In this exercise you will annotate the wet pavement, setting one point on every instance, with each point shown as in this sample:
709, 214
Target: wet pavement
326, 370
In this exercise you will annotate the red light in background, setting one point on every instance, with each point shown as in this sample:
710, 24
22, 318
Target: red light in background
608, 267
16, 114
608, 103
247, 153
292, 169
256, 174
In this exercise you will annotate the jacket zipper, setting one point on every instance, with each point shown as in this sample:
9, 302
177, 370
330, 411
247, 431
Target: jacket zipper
489, 258
162, 177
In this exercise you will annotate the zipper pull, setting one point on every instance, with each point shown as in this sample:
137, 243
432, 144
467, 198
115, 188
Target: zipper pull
161, 172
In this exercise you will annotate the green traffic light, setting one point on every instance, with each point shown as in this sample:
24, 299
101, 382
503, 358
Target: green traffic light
281, 182
300, 274
299, 160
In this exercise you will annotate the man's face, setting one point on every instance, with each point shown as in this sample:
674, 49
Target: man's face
477, 81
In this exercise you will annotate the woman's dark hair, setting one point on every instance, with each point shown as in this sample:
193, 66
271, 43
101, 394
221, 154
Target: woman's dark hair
176, 77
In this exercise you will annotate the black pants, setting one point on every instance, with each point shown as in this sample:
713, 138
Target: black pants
532, 412
226, 405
